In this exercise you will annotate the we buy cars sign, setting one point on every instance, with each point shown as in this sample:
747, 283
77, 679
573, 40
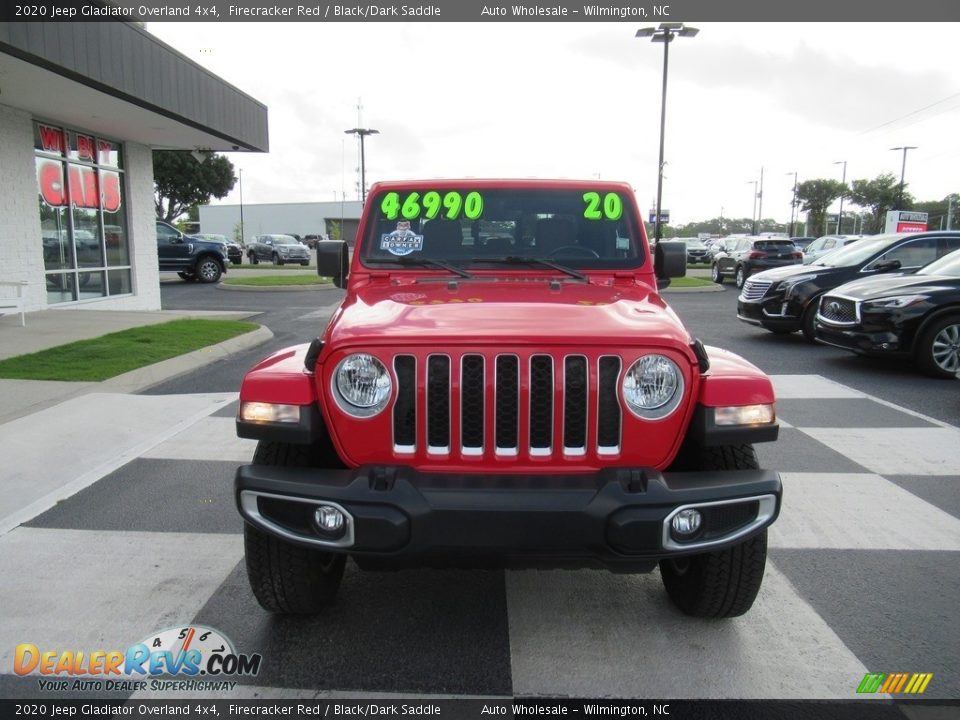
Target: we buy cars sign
902, 221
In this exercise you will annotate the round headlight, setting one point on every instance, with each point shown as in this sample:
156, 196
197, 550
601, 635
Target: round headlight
362, 385
653, 387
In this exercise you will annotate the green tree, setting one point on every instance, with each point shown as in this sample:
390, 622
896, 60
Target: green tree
180, 181
878, 196
815, 196
333, 229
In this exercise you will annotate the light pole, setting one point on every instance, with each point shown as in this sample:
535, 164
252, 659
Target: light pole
665, 34
753, 218
903, 170
242, 236
362, 133
844, 182
760, 210
793, 203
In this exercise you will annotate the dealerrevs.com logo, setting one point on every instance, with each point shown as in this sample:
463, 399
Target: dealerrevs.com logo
192, 658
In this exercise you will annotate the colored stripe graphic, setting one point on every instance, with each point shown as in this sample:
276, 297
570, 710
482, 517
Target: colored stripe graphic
894, 683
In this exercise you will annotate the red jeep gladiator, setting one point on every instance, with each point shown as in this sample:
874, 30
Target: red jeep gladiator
503, 384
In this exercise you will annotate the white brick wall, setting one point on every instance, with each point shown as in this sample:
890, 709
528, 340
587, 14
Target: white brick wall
21, 251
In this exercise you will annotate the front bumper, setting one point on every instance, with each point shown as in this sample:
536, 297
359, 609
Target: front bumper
770, 313
859, 341
618, 517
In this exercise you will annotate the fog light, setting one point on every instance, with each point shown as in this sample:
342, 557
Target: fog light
686, 522
744, 415
261, 412
329, 520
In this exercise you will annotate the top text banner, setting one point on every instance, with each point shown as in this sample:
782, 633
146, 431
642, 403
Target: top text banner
858, 11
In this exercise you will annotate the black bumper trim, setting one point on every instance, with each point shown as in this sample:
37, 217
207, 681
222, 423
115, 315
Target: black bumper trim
614, 516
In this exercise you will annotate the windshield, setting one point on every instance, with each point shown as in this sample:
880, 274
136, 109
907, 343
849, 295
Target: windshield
857, 252
948, 265
775, 245
579, 228
284, 240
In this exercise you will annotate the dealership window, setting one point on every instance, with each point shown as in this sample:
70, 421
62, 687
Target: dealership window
86, 251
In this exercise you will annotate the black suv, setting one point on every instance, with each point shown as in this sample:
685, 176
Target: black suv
786, 299
741, 257
191, 258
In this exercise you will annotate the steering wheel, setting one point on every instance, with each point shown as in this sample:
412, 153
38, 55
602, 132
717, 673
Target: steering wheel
575, 249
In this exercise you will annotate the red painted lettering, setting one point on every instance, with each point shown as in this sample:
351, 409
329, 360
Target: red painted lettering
110, 183
50, 179
85, 147
51, 139
83, 187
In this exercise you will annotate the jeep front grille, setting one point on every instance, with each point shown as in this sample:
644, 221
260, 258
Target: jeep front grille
507, 405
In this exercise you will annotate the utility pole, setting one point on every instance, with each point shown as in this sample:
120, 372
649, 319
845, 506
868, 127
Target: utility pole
760, 195
793, 203
949, 211
753, 218
844, 181
243, 237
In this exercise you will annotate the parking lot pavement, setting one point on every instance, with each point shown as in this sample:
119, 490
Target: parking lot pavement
862, 576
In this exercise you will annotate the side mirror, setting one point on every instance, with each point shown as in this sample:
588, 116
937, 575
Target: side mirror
333, 261
887, 266
669, 261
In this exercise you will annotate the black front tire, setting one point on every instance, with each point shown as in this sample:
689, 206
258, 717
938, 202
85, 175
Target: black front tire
277, 260
725, 583
208, 270
935, 351
809, 316
741, 277
254, 260
716, 275
187, 277
287, 578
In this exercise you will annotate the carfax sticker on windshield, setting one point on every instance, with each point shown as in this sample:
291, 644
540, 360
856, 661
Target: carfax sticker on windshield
401, 241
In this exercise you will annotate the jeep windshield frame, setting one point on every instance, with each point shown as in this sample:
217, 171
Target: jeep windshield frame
581, 227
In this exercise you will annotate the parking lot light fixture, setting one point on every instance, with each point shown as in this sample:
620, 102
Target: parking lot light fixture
903, 170
664, 34
844, 181
362, 133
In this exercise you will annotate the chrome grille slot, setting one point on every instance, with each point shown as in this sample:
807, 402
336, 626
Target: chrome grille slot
575, 405
438, 404
405, 408
608, 406
507, 411
755, 289
541, 405
472, 414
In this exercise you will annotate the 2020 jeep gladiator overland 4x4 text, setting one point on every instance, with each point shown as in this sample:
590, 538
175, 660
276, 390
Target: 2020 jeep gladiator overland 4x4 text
504, 383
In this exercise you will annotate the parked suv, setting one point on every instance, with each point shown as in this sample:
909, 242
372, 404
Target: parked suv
747, 255
502, 383
786, 299
234, 251
278, 249
191, 258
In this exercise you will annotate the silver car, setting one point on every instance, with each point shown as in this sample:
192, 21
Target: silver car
828, 243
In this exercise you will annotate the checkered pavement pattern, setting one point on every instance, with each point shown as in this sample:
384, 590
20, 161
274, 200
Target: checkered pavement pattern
862, 575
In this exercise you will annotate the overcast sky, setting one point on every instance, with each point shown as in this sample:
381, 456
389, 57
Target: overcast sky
582, 100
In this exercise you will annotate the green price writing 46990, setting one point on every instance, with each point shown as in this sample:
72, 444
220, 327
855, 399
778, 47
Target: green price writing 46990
430, 204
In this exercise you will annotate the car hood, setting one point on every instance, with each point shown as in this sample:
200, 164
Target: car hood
889, 286
788, 271
518, 311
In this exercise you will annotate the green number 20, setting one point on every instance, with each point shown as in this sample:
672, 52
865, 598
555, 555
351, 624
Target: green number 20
612, 206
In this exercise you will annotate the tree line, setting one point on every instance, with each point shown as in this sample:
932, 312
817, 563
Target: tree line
873, 198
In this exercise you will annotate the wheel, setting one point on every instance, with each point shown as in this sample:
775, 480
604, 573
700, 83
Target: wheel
208, 270
288, 578
305, 263
254, 260
277, 260
741, 277
716, 275
238, 261
189, 277
937, 351
809, 315
724, 583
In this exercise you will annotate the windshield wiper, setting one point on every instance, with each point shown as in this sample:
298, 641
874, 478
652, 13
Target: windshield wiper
423, 262
526, 260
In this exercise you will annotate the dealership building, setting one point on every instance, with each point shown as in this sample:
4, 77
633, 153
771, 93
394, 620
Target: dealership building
82, 107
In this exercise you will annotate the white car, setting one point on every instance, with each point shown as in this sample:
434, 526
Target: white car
828, 243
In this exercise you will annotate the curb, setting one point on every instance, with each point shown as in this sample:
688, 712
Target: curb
274, 288
142, 378
705, 288
146, 377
